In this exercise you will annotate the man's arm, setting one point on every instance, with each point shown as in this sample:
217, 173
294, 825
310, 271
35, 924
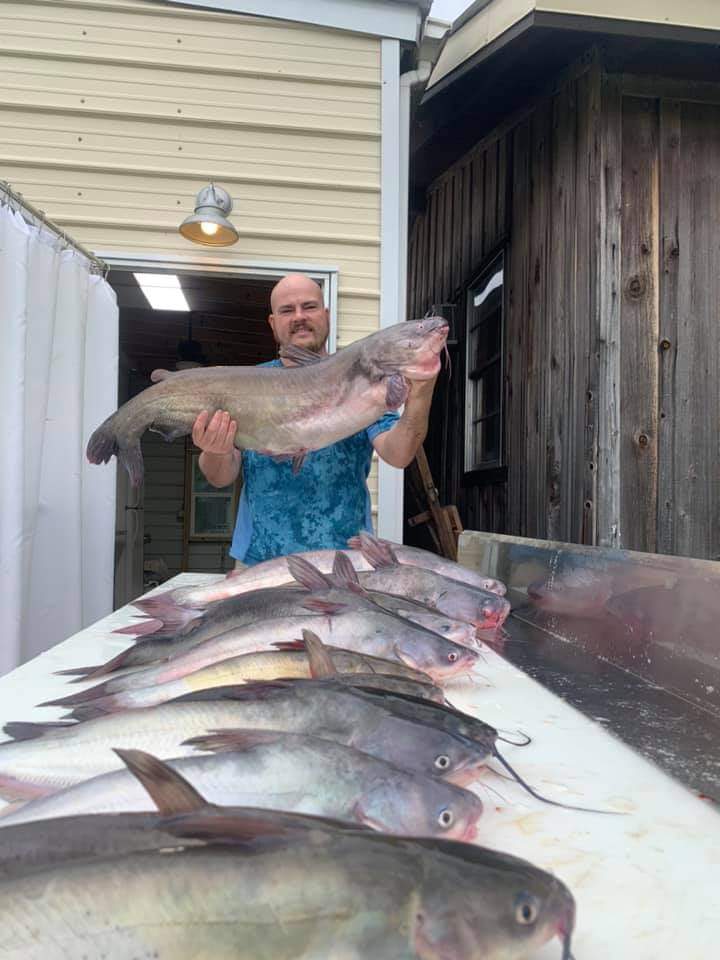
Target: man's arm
399, 445
220, 459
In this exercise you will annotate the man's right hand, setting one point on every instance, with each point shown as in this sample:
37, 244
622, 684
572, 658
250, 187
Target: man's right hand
216, 436
220, 459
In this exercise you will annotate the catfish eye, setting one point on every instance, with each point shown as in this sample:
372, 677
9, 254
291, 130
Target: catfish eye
526, 909
442, 762
452, 656
446, 818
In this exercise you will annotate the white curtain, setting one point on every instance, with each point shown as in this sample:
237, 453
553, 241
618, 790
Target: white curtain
58, 381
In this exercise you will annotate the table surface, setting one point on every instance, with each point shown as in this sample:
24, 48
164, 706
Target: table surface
647, 883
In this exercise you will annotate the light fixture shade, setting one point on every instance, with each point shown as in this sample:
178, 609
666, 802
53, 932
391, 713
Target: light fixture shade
209, 224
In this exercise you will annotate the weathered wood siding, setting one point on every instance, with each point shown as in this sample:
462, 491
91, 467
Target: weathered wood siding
606, 196
531, 187
670, 347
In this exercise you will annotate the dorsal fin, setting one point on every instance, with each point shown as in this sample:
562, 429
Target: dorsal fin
321, 662
27, 730
299, 355
307, 574
345, 575
378, 553
157, 375
222, 741
170, 792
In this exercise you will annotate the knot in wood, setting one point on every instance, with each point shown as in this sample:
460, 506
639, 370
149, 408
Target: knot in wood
636, 287
643, 439
665, 344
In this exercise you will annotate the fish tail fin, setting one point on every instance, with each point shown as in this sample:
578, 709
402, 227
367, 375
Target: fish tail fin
172, 615
141, 628
93, 709
116, 663
104, 444
93, 693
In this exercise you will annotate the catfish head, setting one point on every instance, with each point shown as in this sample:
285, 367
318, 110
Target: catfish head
411, 350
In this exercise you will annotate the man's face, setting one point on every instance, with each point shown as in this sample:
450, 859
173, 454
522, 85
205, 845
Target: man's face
299, 316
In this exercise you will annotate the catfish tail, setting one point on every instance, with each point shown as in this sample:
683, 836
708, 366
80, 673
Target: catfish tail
103, 445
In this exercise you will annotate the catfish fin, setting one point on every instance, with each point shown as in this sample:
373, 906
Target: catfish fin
345, 574
378, 553
298, 460
396, 391
307, 574
289, 644
168, 433
256, 690
170, 792
157, 375
299, 355
223, 741
26, 730
321, 662
324, 607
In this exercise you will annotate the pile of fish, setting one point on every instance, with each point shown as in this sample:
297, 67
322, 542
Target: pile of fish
273, 771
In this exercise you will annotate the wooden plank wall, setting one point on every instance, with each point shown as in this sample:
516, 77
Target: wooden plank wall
606, 196
670, 345
531, 186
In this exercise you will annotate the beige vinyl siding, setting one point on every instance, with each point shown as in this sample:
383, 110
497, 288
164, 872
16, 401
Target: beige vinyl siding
114, 113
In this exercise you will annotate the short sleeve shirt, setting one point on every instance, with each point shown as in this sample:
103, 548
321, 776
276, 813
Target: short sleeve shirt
317, 508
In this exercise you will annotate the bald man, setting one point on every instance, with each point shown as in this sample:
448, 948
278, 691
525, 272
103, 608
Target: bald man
328, 500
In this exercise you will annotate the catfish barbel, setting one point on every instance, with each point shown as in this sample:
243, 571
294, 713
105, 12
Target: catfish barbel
283, 412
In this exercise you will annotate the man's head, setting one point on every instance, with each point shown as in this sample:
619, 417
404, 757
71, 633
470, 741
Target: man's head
299, 316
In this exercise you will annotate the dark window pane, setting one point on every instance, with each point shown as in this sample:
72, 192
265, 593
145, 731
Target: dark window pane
212, 515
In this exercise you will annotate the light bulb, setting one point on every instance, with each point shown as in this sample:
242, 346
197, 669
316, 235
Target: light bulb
209, 229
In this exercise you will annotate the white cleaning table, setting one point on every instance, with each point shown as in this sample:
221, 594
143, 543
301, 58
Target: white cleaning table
647, 883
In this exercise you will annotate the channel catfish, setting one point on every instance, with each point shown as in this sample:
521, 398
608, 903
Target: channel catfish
179, 606
285, 886
341, 616
487, 611
287, 771
44, 758
284, 411
294, 660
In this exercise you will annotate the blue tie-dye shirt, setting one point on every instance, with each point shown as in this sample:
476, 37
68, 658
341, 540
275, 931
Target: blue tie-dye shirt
315, 509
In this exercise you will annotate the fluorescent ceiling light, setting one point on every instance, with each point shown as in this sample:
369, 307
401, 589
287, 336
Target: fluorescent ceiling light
163, 291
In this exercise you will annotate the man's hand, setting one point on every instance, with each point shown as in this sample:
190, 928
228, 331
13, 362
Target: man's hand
217, 436
219, 460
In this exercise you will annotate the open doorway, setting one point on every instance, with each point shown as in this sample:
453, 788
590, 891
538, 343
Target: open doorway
175, 522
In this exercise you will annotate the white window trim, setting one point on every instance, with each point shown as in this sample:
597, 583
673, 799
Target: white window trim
231, 267
377, 18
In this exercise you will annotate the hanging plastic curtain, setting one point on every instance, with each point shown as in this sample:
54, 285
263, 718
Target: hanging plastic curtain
58, 380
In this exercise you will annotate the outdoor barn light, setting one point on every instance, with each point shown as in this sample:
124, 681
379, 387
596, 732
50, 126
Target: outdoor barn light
209, 223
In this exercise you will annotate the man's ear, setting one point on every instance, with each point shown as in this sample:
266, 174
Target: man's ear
271, 321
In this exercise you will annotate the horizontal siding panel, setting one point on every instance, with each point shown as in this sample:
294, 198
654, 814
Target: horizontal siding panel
259, 45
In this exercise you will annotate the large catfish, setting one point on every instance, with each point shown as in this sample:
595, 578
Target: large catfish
283, 412
283, 886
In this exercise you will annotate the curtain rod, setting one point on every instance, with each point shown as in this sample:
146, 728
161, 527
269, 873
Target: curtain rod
40, 216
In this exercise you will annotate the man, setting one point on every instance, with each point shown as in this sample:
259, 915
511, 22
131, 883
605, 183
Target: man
328, 500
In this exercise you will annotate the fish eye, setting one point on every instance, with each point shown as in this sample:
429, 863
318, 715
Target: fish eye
526, 909
446, 818
442, 762
452, 656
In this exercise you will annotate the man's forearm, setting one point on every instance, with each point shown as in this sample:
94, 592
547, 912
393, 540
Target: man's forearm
399, 445
220, 470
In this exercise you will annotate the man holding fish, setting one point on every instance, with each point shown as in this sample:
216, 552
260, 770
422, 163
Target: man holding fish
284, 509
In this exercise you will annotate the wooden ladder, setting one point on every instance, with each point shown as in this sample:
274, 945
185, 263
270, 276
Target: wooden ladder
444, 524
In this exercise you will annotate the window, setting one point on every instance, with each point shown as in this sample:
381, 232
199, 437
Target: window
211, 510
484, 365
